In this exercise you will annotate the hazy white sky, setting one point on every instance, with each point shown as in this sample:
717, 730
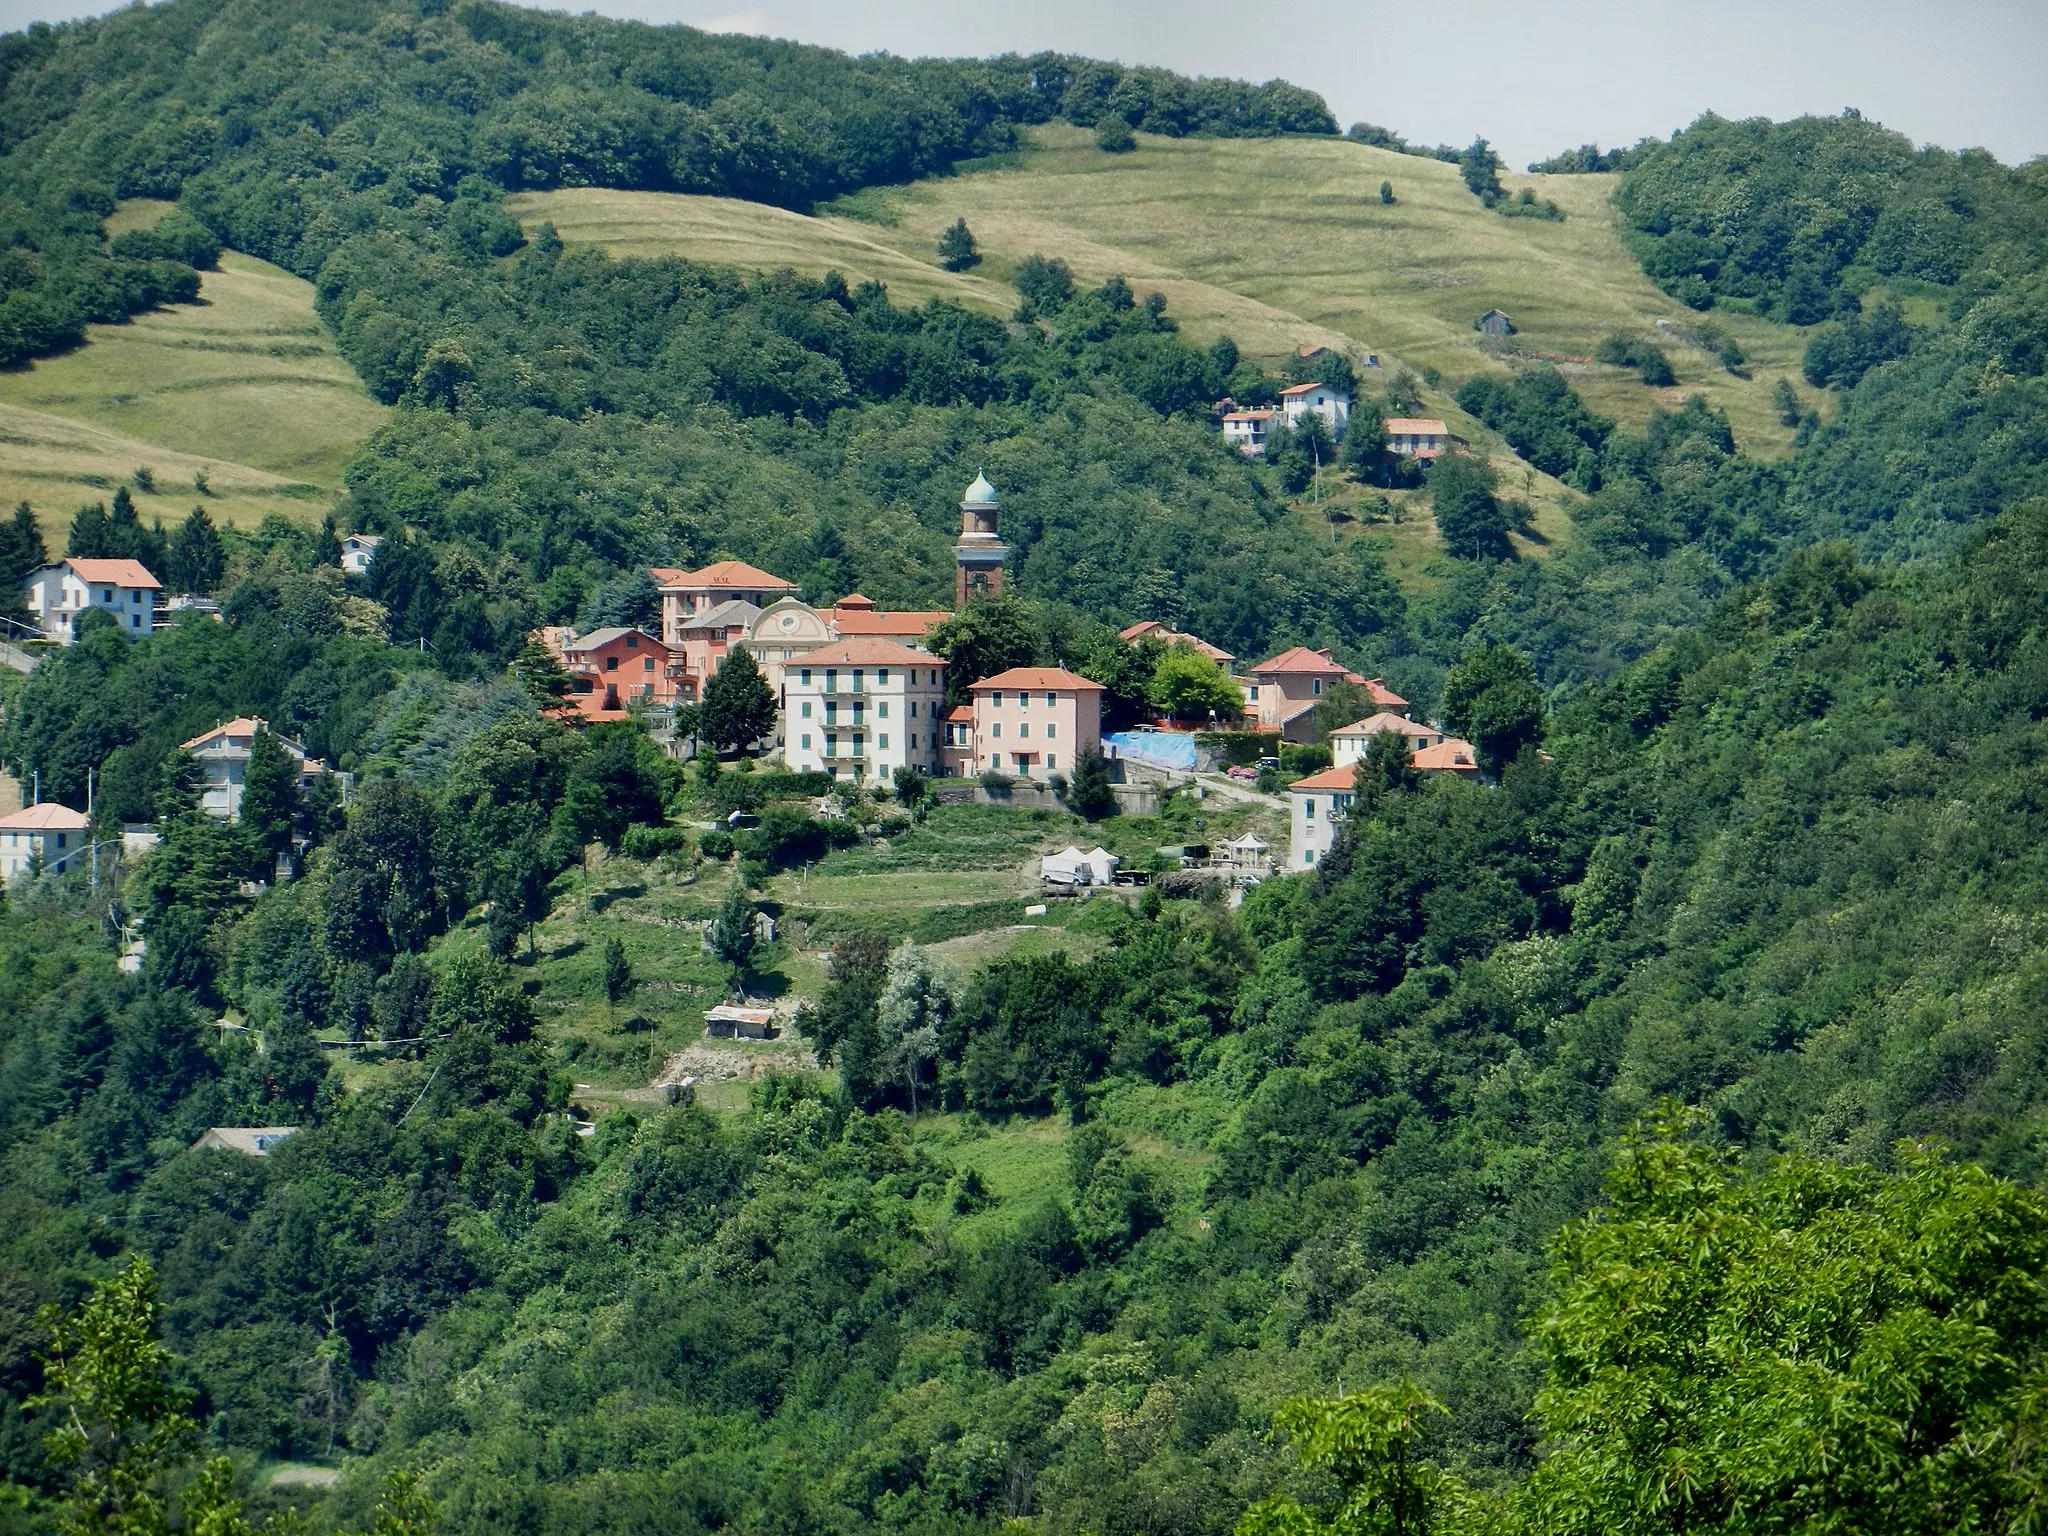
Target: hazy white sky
1535, 76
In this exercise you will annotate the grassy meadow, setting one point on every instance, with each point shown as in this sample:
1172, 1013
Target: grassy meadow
1280, 242
244, 388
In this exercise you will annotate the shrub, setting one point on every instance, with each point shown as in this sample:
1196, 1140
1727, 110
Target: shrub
715, 844
1304, 757
1114, 134
652, 842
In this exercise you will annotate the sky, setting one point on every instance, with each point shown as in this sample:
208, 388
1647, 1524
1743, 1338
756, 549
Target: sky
1534, 76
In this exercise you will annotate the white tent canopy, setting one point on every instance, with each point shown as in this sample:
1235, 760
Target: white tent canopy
1073, 867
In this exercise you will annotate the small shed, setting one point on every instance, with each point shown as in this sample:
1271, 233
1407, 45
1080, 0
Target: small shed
1495, 323
730, 1021
249, 1140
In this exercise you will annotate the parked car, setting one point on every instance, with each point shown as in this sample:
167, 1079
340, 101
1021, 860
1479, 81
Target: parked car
1269, 765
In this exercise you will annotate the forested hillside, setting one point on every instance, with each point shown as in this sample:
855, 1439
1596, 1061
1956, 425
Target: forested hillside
1554, 1122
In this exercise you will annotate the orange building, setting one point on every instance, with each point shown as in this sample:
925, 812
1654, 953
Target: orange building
610, 669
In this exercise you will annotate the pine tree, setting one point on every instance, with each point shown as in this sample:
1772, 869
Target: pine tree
88, 538
124, 527
618, 972
739, 706
21, 552
732, 930
270, 800
196, 560
326, 544
1089, 793
957, 250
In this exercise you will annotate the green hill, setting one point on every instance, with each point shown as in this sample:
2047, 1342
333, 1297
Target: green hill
244, 388
1279, 242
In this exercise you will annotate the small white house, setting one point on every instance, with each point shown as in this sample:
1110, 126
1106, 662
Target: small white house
1070, 866
1351, 743
223, 758
58, 594
358, 550
46, 837
1246, 430
1333, 405
861, 709
1319, 804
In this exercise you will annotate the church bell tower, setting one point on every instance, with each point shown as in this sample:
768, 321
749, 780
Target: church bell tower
979, 555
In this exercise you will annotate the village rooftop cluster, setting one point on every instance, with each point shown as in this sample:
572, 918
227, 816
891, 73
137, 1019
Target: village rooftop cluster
858, 695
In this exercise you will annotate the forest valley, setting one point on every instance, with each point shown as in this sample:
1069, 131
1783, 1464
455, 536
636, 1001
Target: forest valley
1647, 1139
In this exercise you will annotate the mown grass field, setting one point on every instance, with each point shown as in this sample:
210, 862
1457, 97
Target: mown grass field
244, 388
1279, 242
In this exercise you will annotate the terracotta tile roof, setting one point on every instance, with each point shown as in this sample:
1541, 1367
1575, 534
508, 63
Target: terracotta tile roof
1448, 756
960, 712
869, 651
1302, 389
242, 725
1416, 426
1250, 415
854, 600
731, 573
114, 573
1301, 659
1031, 679
852, 622
1383, 696
666, 575
598, 639
1158, 631
1339, 778
1385, 721
47, 817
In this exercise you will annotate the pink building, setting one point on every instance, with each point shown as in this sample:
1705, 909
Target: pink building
1281, 694
687, 594
700, 641
1033, 721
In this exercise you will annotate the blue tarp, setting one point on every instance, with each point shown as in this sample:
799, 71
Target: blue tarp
1162, 749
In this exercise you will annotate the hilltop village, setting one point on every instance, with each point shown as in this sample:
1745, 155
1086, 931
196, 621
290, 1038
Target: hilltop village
853, 692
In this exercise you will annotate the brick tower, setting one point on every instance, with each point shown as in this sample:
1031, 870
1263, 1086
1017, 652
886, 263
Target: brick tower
978, 556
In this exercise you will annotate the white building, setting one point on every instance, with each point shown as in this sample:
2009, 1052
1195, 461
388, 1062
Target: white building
862, 709
1333, 405
1246, 430
52, 833
1319, 804
358, 550
1350, 744
59, 593
223, 758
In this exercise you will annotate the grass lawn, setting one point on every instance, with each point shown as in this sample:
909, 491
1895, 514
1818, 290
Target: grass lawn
1023, 1162
1280, 242
244, 387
